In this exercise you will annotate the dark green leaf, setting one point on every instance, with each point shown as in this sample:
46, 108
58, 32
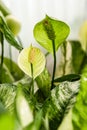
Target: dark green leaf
69, 77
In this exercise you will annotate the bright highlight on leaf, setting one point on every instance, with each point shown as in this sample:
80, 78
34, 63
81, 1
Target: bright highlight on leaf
34, 56
48, 30
83, 35
23, 109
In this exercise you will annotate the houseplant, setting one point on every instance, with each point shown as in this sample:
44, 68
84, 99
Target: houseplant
39, 101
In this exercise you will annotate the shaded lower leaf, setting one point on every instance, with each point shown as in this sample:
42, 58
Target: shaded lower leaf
44, 82
61, 100
8, 92
13, 68
10, 72
40, 97
5, 75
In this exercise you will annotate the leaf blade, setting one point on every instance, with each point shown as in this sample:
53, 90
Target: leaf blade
8, 34
54, 30
61, 100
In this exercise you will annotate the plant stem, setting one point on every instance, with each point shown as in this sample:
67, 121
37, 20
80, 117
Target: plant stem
32, 88
2, 54
10, 55
20, 42
64, 55
54, 67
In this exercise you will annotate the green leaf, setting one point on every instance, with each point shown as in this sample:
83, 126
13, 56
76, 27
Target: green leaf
48, 30
61, 100
8, 92
80, 108
23, 109
78, 56
2, 109
10, 72
25, 81
73, 58
14, 69
7, 33
5, 75
44, 82
69, 77
34, 56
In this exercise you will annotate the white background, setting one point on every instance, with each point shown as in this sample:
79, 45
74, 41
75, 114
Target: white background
29, 12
